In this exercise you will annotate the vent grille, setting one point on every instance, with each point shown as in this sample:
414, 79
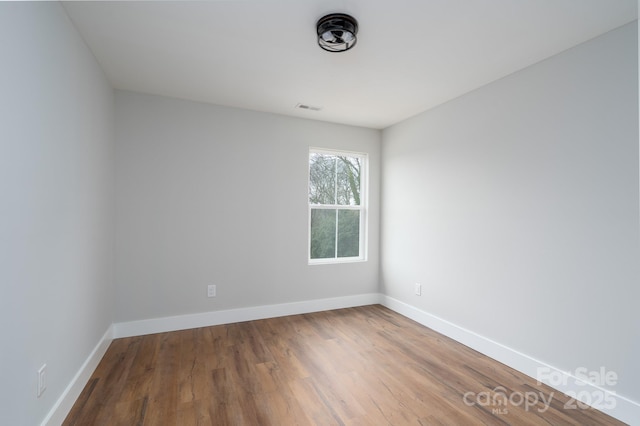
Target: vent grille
309, 107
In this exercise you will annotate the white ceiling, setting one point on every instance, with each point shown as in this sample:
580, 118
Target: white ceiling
262, 54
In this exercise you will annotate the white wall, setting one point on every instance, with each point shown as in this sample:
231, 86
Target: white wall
516, 207
215, 195
56, 206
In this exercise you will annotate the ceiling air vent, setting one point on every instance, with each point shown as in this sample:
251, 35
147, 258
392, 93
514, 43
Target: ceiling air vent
309, 107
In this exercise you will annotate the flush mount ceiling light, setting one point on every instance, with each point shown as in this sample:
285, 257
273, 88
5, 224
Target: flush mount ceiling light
337, 32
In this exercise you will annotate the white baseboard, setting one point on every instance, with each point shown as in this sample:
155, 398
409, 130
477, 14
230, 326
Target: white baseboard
63, 405
205, 319
615, 405
624, 410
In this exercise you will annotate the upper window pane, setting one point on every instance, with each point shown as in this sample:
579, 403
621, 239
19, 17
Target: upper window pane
334, 179
348, 181
322, 179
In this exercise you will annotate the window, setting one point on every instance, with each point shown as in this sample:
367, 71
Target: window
337, 206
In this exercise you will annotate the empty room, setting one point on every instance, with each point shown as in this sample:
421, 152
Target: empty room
319, 212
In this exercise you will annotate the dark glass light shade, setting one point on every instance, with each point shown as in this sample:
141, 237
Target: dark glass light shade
337, 32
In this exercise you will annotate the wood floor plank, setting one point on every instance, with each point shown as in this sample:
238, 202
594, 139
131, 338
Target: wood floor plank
357, 366
316, 407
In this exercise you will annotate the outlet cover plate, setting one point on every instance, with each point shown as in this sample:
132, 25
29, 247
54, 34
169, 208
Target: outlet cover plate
211, 290
42, 379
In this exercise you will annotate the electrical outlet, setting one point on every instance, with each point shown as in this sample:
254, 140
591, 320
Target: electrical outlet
42, 379
211, 290
418, 289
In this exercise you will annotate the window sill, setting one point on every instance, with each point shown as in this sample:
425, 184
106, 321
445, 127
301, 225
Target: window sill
333, 261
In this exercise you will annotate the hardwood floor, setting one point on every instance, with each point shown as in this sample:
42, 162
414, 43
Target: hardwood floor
356, 366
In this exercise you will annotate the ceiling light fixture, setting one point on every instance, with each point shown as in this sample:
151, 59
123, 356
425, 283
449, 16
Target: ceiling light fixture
337, 32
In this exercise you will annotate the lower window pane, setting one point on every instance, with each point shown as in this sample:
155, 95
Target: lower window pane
323, 233
348, 233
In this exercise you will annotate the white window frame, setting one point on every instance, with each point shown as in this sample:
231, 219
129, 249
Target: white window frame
363, 207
